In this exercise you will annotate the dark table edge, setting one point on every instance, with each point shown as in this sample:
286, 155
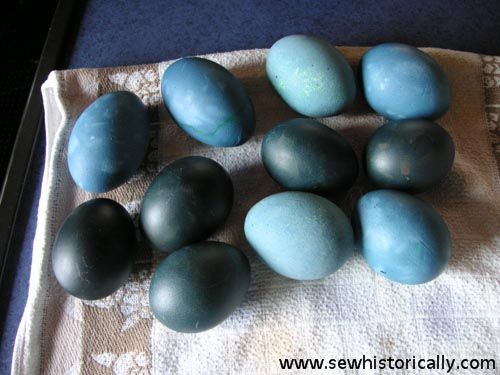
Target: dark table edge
63, 28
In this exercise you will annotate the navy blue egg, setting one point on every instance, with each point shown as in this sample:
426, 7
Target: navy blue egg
208, 102
401, 237
311, 75
299, 235
108, 142
402, 82
303, 154
409, 155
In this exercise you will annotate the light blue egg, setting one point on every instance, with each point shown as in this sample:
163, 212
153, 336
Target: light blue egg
401, 237
311, 75
299, 235
208, 102
402, 82
108, 142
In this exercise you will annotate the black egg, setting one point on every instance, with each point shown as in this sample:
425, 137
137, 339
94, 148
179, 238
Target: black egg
304, 154
185, 203
199, 286
409, 155
94, 250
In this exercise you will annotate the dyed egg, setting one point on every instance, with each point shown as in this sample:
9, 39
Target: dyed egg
199, 286
94, 250
401, 237
311, 75
185, 203
304, 154
402, 82
299, 235
410, 155
208, 102
108, 142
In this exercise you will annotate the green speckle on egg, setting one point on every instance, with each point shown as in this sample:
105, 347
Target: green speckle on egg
311, 75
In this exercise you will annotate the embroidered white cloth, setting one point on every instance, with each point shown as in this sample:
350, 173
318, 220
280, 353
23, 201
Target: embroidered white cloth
351, 313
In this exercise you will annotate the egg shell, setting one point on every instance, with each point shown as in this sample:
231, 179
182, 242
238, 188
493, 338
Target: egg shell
188, 200
208, 102
108, 142
402, 82
199, 286
299, 235
94, 249
311, 75
409, 155
401, 237
303, 154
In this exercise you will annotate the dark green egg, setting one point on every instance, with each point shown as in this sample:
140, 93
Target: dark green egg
304, 154
185, 203
198, 286
94, 250
409, 155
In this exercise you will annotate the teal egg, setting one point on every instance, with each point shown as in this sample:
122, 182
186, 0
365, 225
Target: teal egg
401, 237
108, 142
409, 155
94, 250
311, 75
303, 154
299, 235
188, 200
199, 286
403, 82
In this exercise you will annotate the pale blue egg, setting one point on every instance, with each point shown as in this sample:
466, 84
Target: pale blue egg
299, 235
311, 75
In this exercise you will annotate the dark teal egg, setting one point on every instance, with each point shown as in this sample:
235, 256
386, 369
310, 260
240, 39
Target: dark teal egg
410, 155
402, 82
185, 203
311, 75
401, 237
199, 286
208, 102
94, 250
299, 235
108, 142
304, 154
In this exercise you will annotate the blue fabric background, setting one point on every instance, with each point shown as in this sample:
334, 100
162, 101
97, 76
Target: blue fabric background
134, 32
131, 32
